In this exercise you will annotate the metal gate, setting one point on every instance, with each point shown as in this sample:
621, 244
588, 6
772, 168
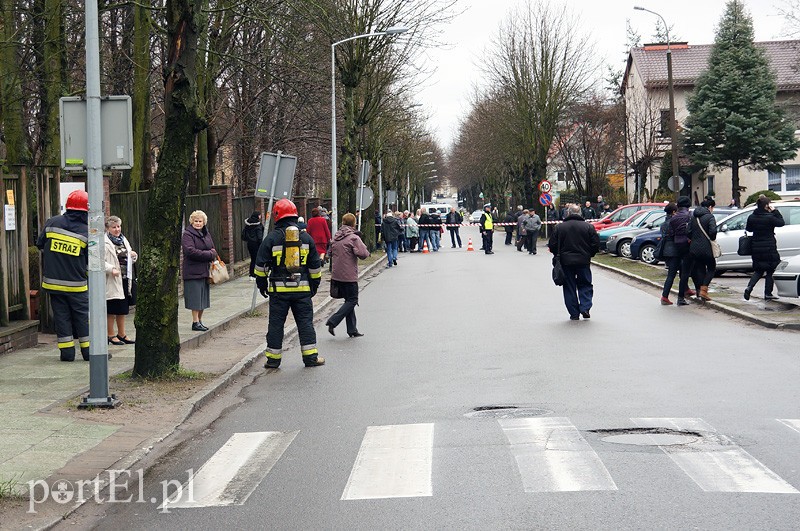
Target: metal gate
14, 295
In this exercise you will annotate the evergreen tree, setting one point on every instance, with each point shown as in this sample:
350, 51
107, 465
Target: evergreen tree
733, 119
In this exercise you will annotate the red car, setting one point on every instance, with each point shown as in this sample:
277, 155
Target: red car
622, 213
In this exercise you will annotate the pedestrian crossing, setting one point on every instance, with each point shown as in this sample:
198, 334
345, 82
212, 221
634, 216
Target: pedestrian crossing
551, 455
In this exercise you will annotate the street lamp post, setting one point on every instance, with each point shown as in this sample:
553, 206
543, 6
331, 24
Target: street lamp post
394, 30
676, 179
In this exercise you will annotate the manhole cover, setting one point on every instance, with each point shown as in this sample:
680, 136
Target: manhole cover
505, 412
658, 439
648, 436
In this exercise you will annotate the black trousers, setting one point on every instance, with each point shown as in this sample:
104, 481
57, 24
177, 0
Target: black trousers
71, 320
454, 235
303, 311
532, 237
509, 236
347, 311
252, 248
704, 268
487, 241
769, 283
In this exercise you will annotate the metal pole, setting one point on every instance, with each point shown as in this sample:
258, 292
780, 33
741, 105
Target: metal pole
676, 170
408, 191
334, 187
98, 358
269, 216
380, 186
363, 180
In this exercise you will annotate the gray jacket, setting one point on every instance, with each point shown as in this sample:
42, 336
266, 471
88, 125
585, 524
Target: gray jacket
532, 222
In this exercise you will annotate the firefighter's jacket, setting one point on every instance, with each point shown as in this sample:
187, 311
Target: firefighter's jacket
270, 271
65, 254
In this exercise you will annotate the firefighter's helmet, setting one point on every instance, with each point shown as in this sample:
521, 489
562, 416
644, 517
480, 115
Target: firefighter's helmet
284, 209
78, 200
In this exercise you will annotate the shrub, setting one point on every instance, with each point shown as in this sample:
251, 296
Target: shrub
752, 198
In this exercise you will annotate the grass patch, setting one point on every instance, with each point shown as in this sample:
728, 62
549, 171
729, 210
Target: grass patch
181, 375
249, 314
10, 488
635, 267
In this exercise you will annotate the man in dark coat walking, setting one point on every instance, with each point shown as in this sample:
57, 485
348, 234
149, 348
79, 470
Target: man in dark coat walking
762, 223
575, 242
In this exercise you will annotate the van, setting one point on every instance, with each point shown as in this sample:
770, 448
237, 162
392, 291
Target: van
440, 208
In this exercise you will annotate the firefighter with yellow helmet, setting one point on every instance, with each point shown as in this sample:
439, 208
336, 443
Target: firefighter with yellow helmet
288, 271
65, 258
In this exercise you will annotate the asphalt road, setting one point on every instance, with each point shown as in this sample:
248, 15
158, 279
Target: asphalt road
381, 437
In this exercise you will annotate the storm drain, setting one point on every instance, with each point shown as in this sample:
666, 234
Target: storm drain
648, 436
505, 412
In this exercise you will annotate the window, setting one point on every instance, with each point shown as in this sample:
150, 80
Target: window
739, 222
665, 129
791, 214
711, 189
560, 176
786, 181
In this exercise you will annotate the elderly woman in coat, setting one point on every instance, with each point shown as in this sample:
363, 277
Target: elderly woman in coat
762, 223
198, 253
119, 259
346, 249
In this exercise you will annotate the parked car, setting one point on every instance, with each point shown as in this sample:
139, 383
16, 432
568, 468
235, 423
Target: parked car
619, 243
622, 213
731, 228
787, 277
605, 233
475, 217
643, 246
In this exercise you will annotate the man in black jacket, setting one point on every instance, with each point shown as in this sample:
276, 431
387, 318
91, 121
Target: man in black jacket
575, 242
454, 219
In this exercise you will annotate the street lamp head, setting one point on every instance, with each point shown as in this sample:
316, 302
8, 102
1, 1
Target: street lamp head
395, 30
639, 8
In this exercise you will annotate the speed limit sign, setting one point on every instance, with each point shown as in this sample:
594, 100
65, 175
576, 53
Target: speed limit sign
545, 187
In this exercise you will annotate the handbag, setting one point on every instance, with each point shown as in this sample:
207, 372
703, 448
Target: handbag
558, 271
658, 252
132, 290
745, 245
336, 290
217, 272
716, 250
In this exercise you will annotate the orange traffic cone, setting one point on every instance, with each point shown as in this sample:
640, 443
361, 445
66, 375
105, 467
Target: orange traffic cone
469, 245
425, 247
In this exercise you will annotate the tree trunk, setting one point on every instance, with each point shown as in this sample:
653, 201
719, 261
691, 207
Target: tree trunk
142, 170
11, 87
736, 191
158, 341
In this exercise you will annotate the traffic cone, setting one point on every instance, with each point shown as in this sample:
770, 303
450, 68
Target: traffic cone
425, 247
469, 245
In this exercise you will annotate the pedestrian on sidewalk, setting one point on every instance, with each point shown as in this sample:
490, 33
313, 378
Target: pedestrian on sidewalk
198, 253
532, 224
252, 234
412, 231
487, 229
63, 243
119, 259
702, 231
575, 242
454, 221
676, 251
762, 223
346, 249
510, 221
522, 240
390, 230
288, 271
318, 230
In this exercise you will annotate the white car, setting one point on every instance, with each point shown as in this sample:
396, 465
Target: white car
786, 277
729, 230
475, 217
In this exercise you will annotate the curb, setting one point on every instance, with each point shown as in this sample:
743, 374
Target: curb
735, 312
203, 396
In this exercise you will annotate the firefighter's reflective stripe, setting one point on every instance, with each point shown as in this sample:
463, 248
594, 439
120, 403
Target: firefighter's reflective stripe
308, 350
69, 286
272, 354
489, 223
304, 254
66, 342
66, 235
277, 286
260, 271
83, 342
315, 273
277, 252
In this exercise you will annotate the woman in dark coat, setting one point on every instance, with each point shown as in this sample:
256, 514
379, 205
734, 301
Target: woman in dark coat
198, 253
253, 233
702, 230
762, 223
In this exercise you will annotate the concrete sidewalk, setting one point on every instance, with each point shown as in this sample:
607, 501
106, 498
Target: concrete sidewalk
35, 443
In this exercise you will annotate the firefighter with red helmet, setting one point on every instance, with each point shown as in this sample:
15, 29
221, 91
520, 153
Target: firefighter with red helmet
63, 243
288, 271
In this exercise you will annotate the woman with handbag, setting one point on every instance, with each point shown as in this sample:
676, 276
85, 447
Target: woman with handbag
762, 223
702, 236
198, 254
119, 259
346, 249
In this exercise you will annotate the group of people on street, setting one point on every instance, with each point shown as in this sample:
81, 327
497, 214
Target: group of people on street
420, 231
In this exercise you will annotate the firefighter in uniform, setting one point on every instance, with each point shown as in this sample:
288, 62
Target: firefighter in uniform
288, 271
64, 251
487, 229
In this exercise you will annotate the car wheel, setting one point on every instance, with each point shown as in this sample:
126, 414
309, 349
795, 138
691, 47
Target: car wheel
624, 248
647, 254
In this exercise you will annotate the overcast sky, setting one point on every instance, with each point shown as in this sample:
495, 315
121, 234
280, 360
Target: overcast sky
457, 67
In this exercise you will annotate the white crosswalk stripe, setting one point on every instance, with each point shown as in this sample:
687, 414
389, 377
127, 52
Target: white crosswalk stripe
715, 463
792, 423
393, 462
233, 473
552, 456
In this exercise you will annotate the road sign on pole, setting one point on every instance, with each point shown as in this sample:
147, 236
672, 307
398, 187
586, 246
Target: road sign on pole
275, 175
545, 199
545, 187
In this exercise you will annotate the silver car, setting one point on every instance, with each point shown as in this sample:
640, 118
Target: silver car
731, 228
787, 277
